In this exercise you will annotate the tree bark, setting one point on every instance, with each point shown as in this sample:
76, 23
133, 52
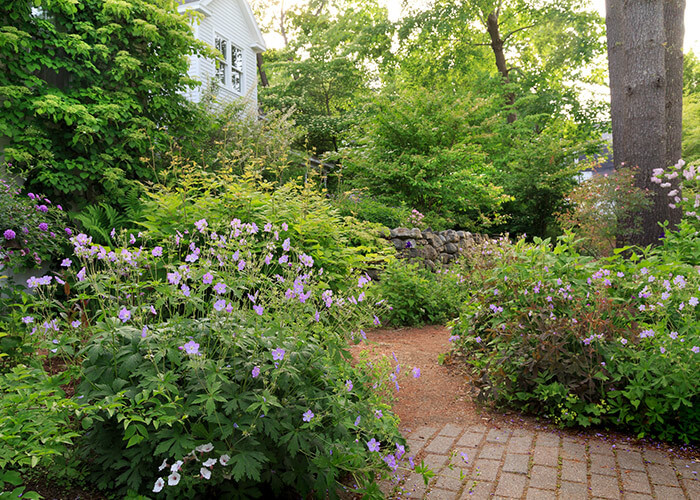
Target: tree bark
645, 44
497, 47
261, 70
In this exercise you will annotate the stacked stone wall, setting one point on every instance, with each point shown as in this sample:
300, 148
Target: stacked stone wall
433, 247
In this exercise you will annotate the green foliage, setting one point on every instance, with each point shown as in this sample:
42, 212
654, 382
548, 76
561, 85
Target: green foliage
419, 296
691, 127
90, 87
337, 244
203, 346
10, 479
603, 208
32, 231
613, 342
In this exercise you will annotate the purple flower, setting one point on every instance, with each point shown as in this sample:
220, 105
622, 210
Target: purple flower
9, 234
416, 372
478, 339
348, 385
376, 321
400, 450
695, 349
284, 226
27, 319
191, 347
174, 278
42, 208
409, 244
390, 460
185, 290
673, 335
317, 317
308, 416
357, 420
44, 226
207, 278
220, 288
693, 301
255, 372
201, 225
286, 245
124, 315
144, 331
75, 324
68, 231
220, 304
258, 309
241, 265
373, 445
378, 413
278, 354
157, 251
283, 259
66, 263
81, 274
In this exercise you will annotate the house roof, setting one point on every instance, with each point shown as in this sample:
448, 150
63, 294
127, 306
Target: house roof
258, 42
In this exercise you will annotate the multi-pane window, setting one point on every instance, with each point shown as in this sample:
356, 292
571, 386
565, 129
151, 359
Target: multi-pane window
236, 68
229, 67
221, 44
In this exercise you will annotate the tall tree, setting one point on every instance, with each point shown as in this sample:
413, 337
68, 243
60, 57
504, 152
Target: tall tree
645, 60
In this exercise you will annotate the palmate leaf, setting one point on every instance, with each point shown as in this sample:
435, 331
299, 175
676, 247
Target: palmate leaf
247, 464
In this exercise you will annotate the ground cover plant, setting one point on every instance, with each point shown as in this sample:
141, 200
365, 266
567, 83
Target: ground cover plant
196, 371
612, 342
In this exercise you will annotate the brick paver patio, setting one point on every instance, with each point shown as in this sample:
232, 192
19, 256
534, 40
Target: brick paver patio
532, 465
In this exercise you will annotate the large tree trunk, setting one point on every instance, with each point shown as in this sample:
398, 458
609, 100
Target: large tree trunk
261, 70
645, 58
497, 47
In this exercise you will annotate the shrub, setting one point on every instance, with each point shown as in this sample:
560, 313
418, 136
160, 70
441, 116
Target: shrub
418, 295
32, 231
613, 342
206, 349
603, 208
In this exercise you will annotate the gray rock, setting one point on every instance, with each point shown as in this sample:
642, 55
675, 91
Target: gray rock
399, 244
451, 248
415, 233
430, 253
401, 232
429, 264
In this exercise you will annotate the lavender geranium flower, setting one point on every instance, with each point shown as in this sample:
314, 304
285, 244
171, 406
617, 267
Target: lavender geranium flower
348, 385
241, 265
220, 288
190, 347
43, 226
695, 349
278, 354
157, 251
308, 415
416, 372
258, 309
201, 225
9, 234
124, 314
27, 319
219, 305
208, 278
255, 371
286, 245
66, 263
373, 445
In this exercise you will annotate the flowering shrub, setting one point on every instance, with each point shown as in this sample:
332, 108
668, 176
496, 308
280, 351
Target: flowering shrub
32, 229
226, 366
613, 342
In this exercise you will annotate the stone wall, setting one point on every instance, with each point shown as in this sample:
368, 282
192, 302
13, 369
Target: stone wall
433, 247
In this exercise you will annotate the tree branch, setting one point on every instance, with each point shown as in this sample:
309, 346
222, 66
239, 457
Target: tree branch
515, 31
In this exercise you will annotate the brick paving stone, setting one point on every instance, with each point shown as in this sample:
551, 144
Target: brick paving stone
522, 433
535, 494
511, 485
471, 439
414, 486
573, 471
656, 457
543, 477
520, 444
517, 464
692, 487
438, 494
497, 436
451, 430
423, 433
603, 464
435, 462
476, 428
662, 475
479, 491
687, 468
570, 491
630, 460
573, 450
493, 451
635, 481
457, 459
486, 470
668, 493
546, 455
414, 447
450, 479
440, 444
547, 439
600, 447
636, 496
604, 486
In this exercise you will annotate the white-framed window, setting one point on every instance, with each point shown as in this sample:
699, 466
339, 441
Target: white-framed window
236, 68
229, 67
221, 64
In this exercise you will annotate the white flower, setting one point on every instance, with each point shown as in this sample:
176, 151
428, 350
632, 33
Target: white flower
205, 448
176, 466
673, 193
223, 459
159, 485
173, 479
210, 462
163, 465
206, 473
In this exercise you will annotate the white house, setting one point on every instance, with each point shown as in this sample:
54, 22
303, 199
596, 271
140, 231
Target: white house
230, 27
